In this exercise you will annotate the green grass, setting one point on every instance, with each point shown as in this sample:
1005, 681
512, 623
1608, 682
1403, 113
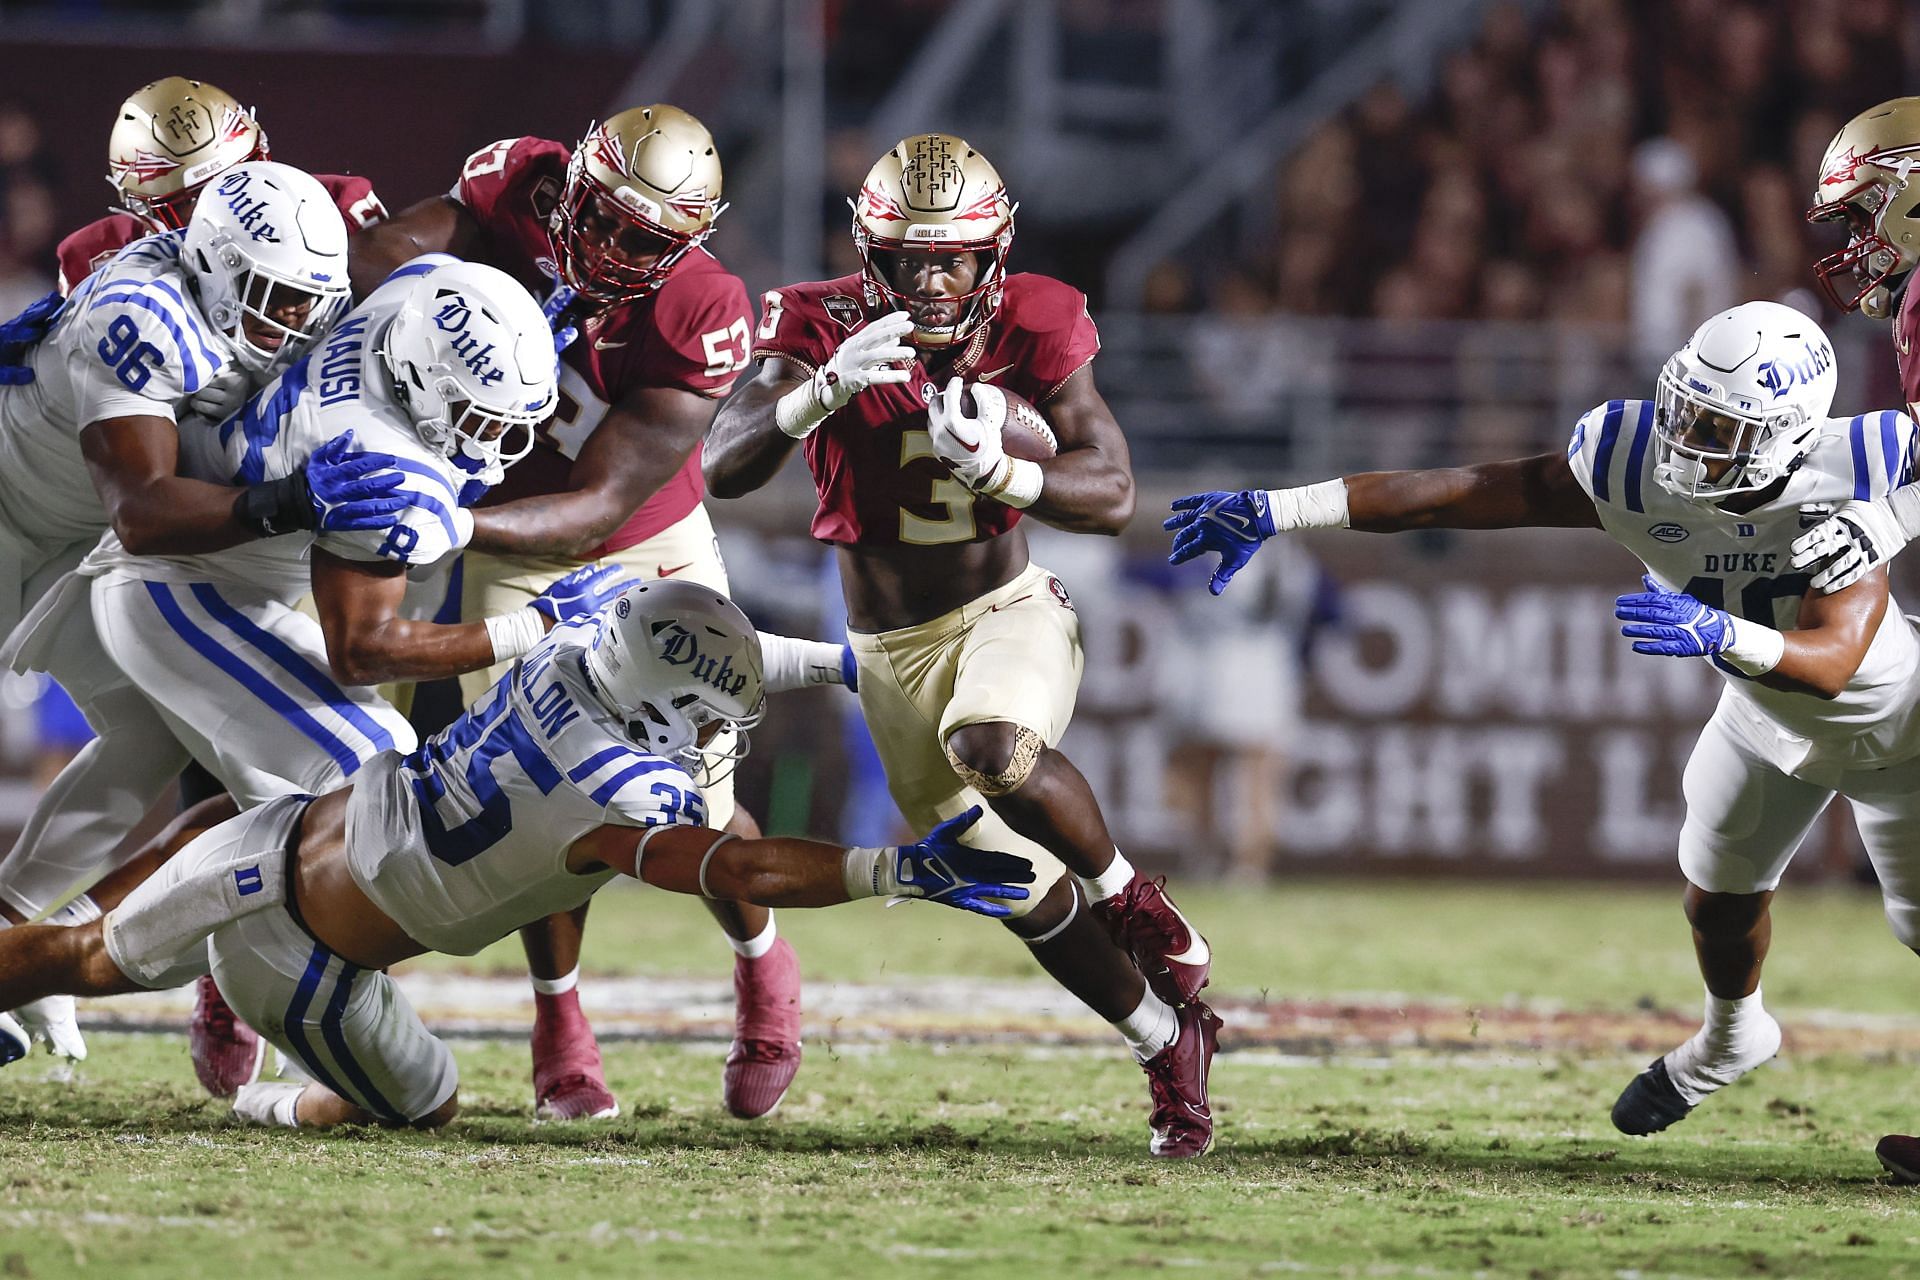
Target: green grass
910, 1159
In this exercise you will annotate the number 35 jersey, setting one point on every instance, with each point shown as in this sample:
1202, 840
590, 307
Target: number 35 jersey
1740, 562
873, 463
130, 342
466, 839
340, 385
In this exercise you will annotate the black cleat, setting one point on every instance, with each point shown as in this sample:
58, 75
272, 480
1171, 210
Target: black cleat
1649, 1103
1901, 1157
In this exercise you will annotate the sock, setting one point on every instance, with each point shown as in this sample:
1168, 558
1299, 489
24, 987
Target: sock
557, 986
1735, 1037
1118, 875
758, 945
270, 1102
1150, 1028
82, 910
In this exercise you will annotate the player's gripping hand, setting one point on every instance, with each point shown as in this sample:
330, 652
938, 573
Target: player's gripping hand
221, 396
348, 490
1233, 524
1672, 624
941, 869
1853, 542
968, 443
18, 335
875, 356
580, 594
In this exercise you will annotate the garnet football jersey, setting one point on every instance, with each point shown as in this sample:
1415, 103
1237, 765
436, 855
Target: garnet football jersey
1906, 334
691, 334
873, 462
94, 243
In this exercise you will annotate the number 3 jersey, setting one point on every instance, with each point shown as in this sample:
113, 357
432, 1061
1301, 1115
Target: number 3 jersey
873, 464
466, 839
130, 342
340, 385
1739, 561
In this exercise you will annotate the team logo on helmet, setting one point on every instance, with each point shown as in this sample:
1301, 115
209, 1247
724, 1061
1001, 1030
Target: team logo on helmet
142, 166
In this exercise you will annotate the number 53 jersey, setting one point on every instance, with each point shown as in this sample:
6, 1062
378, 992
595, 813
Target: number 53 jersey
466, 839
1740, 561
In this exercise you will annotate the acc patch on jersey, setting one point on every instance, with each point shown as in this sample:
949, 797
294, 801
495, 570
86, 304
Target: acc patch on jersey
1667, 531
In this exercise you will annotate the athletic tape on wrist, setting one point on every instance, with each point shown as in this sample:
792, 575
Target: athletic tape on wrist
799, 411
1018, 483
513, 634
1313, 506
1753, 649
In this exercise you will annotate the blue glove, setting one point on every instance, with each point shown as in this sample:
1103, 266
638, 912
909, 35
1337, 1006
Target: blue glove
849, 669
582, 593
941, 869
1672, 624
557, 302
353, 490
1233, 524
18, 336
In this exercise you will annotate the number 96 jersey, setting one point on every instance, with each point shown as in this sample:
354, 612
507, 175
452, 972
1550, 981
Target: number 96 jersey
466, 839
1739, 561
873, 463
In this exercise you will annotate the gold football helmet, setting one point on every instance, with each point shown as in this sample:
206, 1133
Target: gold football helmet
1867, 179
643, 190
169, 139
933, 193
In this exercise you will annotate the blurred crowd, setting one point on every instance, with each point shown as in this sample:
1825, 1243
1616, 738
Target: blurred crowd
1613, 162
28, 223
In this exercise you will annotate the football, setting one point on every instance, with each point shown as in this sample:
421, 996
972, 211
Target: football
1026, 433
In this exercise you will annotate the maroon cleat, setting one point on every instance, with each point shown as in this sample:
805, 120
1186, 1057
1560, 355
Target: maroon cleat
1900, 1155
766, 1032
1171, 954
227, 1053
568, 1080
1182, 1121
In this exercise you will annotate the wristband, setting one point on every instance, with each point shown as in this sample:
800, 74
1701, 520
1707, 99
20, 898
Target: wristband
861, 870
275, 507
1313, 506
1017, 483
799, 411
1752, 649
513, 634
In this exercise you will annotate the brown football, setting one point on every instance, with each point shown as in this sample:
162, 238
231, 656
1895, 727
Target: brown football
1026, 433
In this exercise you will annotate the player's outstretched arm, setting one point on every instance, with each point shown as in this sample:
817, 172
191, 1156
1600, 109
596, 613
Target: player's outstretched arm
1518, 493
1819, 656
435, 225
641, 445
368, 642
133, 461
786, 872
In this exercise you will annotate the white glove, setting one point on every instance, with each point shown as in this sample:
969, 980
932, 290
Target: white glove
1853, 542
50, 1020
221, 397
867, 359
968, 444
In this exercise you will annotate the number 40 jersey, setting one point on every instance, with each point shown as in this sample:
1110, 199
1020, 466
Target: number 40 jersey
466, 839
1740, 561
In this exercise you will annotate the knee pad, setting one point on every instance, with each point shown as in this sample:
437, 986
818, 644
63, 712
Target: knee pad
1027, 746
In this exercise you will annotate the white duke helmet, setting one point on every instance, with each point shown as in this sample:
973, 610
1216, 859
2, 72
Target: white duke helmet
472, 359
671, 658
261, 236
1749, 390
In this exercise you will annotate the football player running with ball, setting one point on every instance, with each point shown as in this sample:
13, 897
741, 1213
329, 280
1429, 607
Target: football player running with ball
1705, 484
652, 331
968, 654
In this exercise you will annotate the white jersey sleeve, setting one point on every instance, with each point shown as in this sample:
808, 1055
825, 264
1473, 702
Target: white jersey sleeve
1608, 454
139, 345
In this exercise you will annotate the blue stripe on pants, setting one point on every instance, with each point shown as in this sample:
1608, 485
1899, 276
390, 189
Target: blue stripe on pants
333, 1029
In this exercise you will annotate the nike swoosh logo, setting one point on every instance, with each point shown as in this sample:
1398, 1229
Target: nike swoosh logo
962, 442
995, 608
661, 571
1197, 951
991, 374
601, 344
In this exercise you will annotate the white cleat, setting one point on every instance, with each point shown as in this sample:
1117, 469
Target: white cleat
51, 1021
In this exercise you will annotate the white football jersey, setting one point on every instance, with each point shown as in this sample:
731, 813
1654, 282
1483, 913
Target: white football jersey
466, 839
1740, 562
341, 385
131, 341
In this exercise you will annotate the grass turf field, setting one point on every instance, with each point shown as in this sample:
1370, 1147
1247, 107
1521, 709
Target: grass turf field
1482, 1151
